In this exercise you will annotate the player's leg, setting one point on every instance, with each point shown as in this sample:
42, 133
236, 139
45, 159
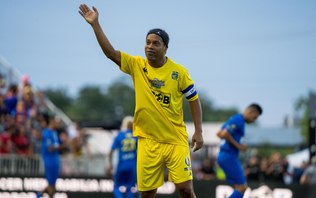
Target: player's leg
186, 189
52, 178
178, 163
240, 184
51, 175
118, 178
130, 193
51, 190
234, 173
239, 191
116, 191
148, 194
150, 167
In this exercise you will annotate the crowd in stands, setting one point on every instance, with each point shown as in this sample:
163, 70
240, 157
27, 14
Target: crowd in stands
22, 119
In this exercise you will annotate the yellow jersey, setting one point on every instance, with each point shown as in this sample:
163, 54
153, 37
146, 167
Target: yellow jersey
159, 93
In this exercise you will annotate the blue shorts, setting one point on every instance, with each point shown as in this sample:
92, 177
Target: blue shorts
232, 168
125, 175
51, 173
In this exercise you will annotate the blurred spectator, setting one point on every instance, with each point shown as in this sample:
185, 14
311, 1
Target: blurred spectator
277, 167
2, 84
64, 140
78, 142
21, 114
298, 172
27, 95
21, 141
3, 110
252, 168
207, 171
264, 170
35, 141
11, 100
309, 175
5, 142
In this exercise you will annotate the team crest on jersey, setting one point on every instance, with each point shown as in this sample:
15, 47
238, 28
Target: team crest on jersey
175, 75
233, 126
157, 83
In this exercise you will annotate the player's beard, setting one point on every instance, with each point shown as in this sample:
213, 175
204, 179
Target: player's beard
151, 56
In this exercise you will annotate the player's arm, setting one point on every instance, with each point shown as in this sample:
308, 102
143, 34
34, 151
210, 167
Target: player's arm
304, 178
92, 18
56, 147
224, 134
110, 167
196, 113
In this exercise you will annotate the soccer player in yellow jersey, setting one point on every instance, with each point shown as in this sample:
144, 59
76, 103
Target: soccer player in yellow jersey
160, 84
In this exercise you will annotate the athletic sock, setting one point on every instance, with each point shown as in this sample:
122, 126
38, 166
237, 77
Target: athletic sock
236, 194
38, 195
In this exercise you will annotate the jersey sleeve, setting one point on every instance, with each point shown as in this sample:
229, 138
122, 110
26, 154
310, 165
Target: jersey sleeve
116, 142
232, 125
128, 63
187, 86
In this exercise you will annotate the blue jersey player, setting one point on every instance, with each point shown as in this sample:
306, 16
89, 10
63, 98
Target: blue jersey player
126, 145
50, 153
231, 134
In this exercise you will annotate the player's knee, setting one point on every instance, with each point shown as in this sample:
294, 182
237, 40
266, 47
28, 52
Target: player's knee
241, 188
148, 194
186, 191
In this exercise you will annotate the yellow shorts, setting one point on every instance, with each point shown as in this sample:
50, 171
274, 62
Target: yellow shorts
153, 157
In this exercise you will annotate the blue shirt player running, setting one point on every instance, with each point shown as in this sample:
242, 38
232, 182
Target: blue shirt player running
50, 154
126, 145
231, 134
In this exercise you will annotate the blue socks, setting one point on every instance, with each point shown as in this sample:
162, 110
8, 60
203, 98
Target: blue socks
236, 194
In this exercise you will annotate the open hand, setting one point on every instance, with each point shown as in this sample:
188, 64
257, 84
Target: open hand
90, 16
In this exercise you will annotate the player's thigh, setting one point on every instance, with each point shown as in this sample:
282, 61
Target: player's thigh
51, 174
232, 168
178, 163
150, 165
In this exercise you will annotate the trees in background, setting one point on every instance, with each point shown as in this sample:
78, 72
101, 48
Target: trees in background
97, 104
303, 107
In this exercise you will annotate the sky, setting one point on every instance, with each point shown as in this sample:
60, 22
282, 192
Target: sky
237, 52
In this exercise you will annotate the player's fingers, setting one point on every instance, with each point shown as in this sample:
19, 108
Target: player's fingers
81, 13
84, 8
192, 143
197, 146
95, 9
81, 7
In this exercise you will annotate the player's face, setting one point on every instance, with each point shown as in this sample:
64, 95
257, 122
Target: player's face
252, 116
155, 48
54, 124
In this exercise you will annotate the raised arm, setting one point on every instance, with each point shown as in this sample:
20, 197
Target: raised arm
92, 17
196, 112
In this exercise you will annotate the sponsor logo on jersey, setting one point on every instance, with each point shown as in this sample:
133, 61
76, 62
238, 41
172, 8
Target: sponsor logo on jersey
157, 83
162, 98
